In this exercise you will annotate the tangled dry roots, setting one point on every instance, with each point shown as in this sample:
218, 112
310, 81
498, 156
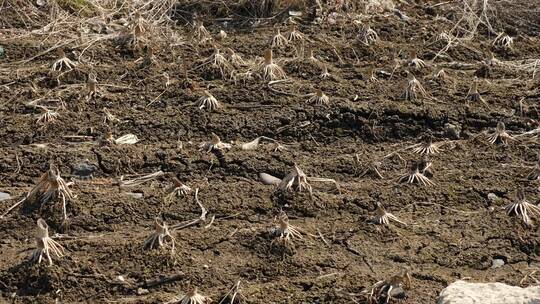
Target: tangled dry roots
49, 187
522, 208
45, 245
160, 236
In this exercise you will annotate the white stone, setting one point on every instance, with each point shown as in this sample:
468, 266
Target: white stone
4, 196
461, 292
496, 263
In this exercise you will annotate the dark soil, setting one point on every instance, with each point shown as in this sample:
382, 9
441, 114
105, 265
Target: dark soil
453, 229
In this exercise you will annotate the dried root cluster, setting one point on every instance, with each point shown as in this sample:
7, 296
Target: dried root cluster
383, 291
50, 187
419, 173
523, 209
296, 180
160, 238
46, 246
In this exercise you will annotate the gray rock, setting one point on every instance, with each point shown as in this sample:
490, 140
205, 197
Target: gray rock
84, 169
452, 130
461, 292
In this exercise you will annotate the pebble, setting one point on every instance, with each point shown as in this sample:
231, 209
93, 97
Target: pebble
4, 196
142, 291
452, 130
496, 263
492, 197
222, 35
84, 170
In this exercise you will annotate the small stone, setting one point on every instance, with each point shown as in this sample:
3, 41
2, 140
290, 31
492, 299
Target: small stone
398, 293
120, 278
492, 197
142, 291
1, 51
452, 130
222, 35
84, 169
4, 196
496, 263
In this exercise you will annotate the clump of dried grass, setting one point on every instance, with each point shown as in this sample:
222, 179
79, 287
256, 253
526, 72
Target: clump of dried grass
45, 245
534, 174
270, 70
414, 89
208, 102
235, 59
381, 292
47, 117
419, 173
278, 40
500, 136
49, 187
218, 61
473, 94
63, 62
296, 180
367, 35
319, 98
524, 209
234, 296
382, 217
177, 189
416, 62
295, 35
160, 238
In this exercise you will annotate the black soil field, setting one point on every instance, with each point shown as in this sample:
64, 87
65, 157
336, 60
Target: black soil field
463, 76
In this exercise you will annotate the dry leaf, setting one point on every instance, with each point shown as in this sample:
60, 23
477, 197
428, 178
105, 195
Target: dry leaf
128, 139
